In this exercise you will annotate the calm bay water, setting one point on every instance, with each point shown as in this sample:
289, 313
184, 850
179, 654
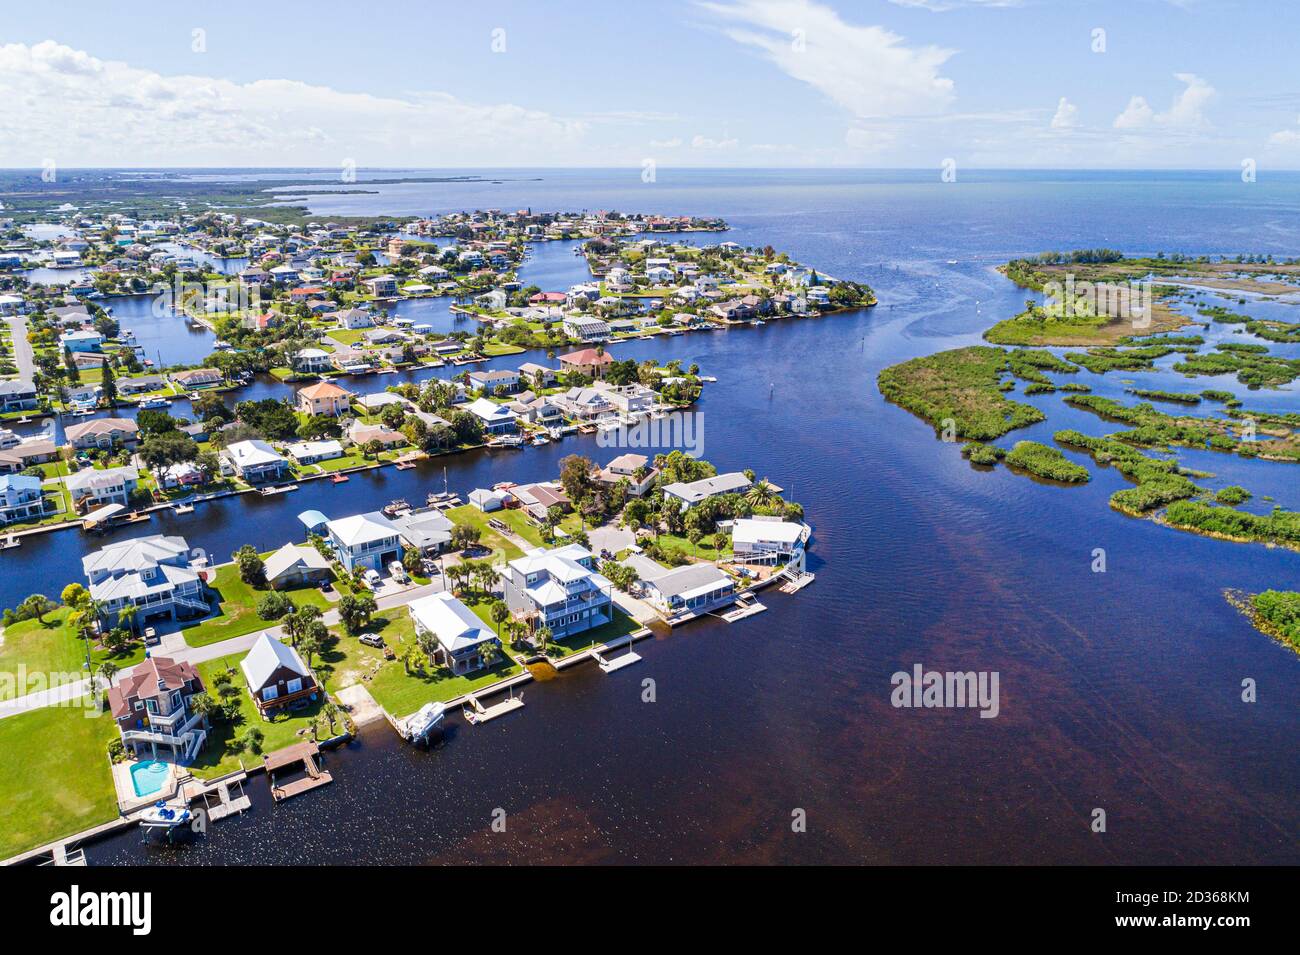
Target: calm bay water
1119, 691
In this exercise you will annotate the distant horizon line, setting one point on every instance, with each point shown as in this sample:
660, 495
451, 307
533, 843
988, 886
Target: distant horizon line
1234, 170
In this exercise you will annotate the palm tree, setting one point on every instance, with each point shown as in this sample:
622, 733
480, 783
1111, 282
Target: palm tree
126, 617
761, 494
500, 613
108, 670
488, 653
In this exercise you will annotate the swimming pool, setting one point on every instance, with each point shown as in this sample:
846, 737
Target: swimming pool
148, 778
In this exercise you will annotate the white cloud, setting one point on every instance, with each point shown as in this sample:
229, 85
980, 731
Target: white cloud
1186, 111
704, 142
68, 105
666, 143
1066, 116
942, 6
867, 70
1285, 137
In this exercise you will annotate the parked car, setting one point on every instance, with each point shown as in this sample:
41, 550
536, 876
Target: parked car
371, 577
150, 636
398, 572
371, 639
326, 587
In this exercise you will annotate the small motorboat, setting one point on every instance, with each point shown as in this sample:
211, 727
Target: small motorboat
155, 403
162, 816
542, 438
425, 719
393, 508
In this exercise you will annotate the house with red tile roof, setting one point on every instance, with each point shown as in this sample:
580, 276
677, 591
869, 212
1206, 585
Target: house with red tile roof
586, 361
152, 707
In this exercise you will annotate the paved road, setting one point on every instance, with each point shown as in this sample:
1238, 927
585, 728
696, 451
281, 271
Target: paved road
23, 356
235, 645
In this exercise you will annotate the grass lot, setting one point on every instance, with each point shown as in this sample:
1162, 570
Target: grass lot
705, 552
399, 692
52, 647
54, 776
222, 754
472, 516
239, 608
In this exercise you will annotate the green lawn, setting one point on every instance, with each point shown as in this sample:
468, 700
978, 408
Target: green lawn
472, 516
399, 692
222, 754
52, 647
710, 552
239, 608
54, 776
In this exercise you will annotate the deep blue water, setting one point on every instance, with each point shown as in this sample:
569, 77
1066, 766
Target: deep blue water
1118, 690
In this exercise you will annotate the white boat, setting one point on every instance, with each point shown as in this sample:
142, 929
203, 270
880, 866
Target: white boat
162, 816
428, 716
155, 403
542, 439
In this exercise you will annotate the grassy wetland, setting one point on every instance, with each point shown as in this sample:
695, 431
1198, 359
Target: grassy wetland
1059, 345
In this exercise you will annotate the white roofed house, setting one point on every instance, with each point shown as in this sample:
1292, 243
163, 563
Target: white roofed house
365, 541
428, 532
21, 498
586, 328
92, 488
586, 404
495, 418
277, 676
636, 469
491, 379
459, 634
559, 588
312, 361
313, 452
18, 395
158, 575
767, 539
733, 482
692, 588
254, 461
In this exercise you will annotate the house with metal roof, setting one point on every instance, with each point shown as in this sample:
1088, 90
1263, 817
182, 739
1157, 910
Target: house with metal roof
158, 575
559, 588
459, 634
365, 541
277, 677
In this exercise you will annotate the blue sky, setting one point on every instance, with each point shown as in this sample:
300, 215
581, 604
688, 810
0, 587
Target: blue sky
876, 83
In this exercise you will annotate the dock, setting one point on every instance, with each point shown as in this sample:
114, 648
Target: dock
299, 755
278, 489
795, 580
608, 665
225, 796
475, 712
746, 606
184, 509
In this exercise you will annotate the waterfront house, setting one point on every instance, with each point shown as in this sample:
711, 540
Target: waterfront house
140, 384
21, 498
495, 418
36, 451
365, 541
630, 402
486, 499
541, 411
313, 452
459, 634
152, 708
102, 433
535, 375
196, 378
493, 301
277, 677
585, 328
538, 499
253, 461
324, 398
587, 362
633, 468
181, 474
377, 402
92, 488
732, 482
692, 588
382, 286
490, 381
18, 394
311, 361
384, 336
81, 340
360, 434
156, 574
585, 404
762, 539
559, 588
353, 361
69, 316
297, 565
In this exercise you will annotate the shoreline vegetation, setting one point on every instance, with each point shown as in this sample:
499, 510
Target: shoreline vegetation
1275, 613
963, 395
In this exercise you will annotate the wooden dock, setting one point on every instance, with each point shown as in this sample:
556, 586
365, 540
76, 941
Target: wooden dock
475, 712
744, 608
299, 754
608, 665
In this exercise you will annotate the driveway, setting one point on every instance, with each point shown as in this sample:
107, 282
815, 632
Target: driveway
23, 356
